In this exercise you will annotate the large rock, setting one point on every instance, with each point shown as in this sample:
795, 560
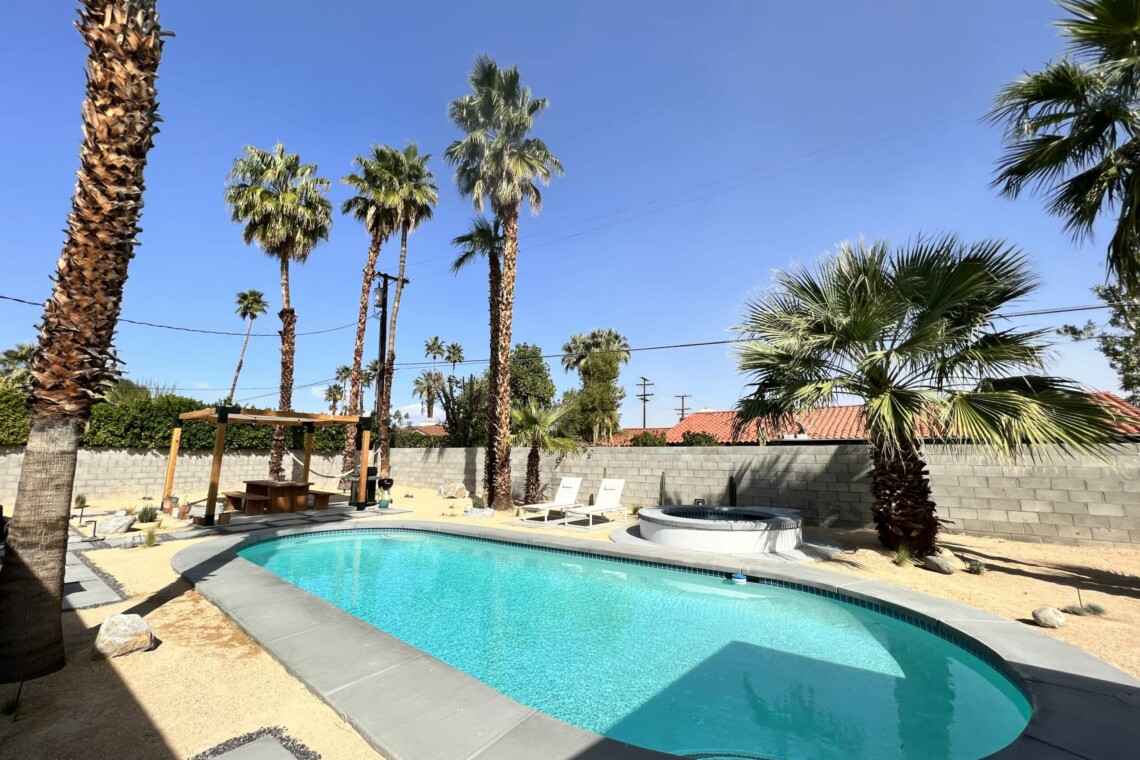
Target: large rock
938, 564
453, 491
1048, 617
123, 634
120, 524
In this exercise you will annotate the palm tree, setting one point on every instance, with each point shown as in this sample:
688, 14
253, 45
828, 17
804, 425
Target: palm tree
453, 355
74, 356
250, 305
433, 349
282, 204
413, 196
1072, 130
371, 206
16, 366
426, 387
598, 356
343, 374
910, 334
497, 161
334, 394
485, 239
535, 427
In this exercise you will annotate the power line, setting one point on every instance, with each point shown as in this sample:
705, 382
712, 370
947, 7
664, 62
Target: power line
196, 329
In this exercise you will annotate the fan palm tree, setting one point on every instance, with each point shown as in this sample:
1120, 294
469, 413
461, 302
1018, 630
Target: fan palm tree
334, 394
426, 387
250, 305
536, 427
485, 240
1072, 129
372, 206
16, 366
433, 349
910, 334
498, 161
413, 196
74, 354
597, 357
282, 204
453, 355
581, 348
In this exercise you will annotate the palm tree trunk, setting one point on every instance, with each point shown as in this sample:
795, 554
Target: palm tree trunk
356, 390
902, 509
390, 364
288, 352
533, 459
78, 325
495, 299
502, 410
241, 360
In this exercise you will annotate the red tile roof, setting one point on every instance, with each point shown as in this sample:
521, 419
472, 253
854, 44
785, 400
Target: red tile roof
842, 423
432, 429
621, 438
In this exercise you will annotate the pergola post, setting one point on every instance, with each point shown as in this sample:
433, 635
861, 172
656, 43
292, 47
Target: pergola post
172, 460
365, 445
216, 463
309, 428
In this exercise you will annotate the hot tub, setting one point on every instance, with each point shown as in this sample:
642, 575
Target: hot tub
726, 530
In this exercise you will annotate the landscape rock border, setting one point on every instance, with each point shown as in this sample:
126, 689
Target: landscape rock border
294, 747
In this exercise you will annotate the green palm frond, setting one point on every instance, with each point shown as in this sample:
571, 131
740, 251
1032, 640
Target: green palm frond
533, 425
910, 334
251, 304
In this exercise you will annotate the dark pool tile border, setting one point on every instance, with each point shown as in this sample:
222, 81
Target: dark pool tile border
1057, 678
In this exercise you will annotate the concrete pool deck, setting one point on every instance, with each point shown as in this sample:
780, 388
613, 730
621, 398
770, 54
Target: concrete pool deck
409, 706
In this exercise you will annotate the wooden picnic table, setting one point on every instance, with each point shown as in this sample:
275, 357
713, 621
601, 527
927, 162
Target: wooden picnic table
283, 495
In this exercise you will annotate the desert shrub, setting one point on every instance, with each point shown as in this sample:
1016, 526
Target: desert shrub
647, 439
975, 567
903, 556
151, 536
1092, 608
147, 514
403, 438
694, 438
13, 417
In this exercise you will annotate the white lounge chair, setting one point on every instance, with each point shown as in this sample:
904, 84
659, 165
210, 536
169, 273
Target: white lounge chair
609, 500
565, 497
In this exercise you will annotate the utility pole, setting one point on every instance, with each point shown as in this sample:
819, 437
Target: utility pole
644, 396
682, 396
382, 303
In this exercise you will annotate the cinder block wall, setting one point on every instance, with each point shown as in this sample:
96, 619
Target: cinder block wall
1052, 497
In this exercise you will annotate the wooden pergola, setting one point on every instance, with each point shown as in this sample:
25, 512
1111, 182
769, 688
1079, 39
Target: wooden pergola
224, 416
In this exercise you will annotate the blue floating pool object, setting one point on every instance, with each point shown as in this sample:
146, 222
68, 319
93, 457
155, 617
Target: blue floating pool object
739, 579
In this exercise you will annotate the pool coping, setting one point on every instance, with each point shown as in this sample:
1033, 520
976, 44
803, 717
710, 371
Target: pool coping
410, 706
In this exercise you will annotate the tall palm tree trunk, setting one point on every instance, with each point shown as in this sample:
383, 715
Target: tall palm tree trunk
495, 275
241, 360
119, 116
903, 512
356, 391
288, 353
533, 460
390, 364
501, 495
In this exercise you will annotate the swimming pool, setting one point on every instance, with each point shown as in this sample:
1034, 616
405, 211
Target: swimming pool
675, 661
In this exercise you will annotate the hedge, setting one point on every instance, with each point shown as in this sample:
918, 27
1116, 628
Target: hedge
147, 423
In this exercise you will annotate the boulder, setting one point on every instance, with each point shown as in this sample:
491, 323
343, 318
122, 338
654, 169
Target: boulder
1048, 617
123, 634
938, 564
453, 491
119, 524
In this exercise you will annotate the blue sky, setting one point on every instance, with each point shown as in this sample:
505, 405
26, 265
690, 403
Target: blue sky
702, 151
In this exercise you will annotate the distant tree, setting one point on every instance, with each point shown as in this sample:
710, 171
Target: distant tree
465, 412
251, 304
283, 205
695, 438
334, 394
433, 349
1118, 339
647, 438
16, 366
536, 427
598, 356
453, 354
530, 377
427, 387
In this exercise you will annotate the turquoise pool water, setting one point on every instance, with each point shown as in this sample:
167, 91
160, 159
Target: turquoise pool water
675, 661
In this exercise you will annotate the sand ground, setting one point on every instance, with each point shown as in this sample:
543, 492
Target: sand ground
208, 682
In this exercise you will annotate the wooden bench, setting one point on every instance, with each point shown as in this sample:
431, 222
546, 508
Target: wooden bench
321, 498
247, 502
